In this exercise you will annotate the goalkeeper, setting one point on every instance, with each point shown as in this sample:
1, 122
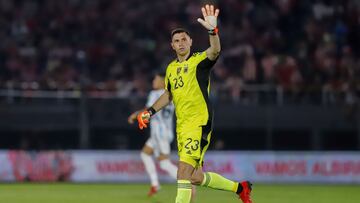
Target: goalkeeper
187, 85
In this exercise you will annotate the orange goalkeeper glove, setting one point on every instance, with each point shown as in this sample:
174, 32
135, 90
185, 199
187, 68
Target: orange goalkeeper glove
144, 117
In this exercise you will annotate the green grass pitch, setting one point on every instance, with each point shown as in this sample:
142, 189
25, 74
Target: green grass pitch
136, 193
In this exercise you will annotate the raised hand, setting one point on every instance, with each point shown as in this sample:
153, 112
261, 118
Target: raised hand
210, 17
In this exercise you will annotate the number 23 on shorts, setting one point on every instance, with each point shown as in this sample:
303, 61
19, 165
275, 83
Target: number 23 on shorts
192, 144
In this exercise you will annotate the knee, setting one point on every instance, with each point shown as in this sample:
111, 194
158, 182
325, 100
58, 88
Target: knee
184, 171
164, 164
144, 155
196, 179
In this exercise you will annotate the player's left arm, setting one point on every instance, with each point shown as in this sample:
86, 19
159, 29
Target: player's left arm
210, 15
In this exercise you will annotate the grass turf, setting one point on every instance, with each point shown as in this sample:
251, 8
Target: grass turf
136, 193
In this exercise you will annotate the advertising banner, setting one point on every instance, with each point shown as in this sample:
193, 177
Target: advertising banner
108, 166
289, 167
126, 166
35, 166
6, 170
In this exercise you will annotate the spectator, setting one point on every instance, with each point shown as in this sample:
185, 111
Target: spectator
297, 45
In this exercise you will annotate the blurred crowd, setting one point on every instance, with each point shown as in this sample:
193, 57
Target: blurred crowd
303, 46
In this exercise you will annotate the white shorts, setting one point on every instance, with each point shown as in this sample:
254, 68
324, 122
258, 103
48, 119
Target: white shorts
160, 139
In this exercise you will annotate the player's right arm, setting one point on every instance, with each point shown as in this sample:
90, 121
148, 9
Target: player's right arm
144, 116
163, 101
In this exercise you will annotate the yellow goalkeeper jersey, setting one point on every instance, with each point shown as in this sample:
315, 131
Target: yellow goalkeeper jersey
189, 84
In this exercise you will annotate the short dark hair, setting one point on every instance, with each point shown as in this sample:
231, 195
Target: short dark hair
179, 30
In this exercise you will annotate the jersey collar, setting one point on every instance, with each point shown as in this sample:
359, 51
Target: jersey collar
177, 60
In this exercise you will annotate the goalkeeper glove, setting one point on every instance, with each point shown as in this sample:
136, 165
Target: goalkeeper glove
210, 15
144, 117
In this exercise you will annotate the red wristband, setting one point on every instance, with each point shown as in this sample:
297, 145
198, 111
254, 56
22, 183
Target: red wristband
214, 31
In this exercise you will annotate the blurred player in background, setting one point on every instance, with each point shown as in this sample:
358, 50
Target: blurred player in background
161, 136
187, 85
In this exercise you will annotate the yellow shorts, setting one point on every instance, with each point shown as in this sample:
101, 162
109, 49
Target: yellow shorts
192, 145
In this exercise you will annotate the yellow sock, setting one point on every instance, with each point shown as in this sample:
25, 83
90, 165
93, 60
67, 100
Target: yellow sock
183, 191
216, 181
